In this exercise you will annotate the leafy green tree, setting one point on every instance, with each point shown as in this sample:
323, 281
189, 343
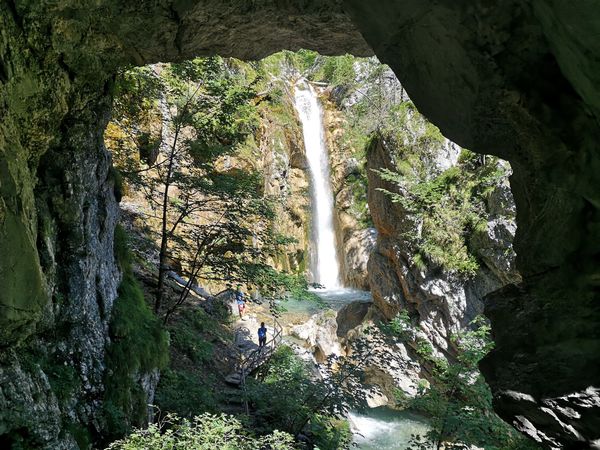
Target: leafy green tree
337, 70
211, 114
214, 219
293, 396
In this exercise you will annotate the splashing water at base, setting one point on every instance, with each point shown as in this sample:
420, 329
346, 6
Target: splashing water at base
385, 429
326, 267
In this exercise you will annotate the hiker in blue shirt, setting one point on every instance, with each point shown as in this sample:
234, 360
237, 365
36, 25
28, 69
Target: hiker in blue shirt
262, 335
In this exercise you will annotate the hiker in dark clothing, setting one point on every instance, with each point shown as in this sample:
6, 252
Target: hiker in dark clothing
262, 335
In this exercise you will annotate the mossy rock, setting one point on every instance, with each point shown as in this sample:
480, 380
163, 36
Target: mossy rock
22, 295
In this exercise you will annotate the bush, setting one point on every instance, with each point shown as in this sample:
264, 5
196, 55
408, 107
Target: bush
205, 432
400, 326
330, 434
194, 335
186, 338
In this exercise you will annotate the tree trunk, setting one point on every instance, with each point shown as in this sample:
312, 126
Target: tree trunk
164, 234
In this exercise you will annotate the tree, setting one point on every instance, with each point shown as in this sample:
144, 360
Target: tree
214, 220
299, 398
459, 402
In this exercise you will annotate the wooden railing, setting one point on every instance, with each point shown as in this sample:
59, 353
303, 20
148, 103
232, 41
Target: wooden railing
247, 364
257, 357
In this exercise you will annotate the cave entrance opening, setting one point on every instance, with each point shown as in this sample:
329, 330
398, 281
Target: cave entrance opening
413, 217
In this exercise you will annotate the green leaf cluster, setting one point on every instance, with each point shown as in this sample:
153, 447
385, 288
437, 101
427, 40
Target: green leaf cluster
450, 205
336, 70
185, 392
400, 326
455, 398
204, 432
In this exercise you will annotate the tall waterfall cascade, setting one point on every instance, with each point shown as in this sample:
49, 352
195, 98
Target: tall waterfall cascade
326, 266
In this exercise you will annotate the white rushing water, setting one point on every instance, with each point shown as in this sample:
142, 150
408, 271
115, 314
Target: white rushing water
384, 429
326, 265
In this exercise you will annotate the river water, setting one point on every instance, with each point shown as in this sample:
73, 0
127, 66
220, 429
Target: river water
385, 429
330, 299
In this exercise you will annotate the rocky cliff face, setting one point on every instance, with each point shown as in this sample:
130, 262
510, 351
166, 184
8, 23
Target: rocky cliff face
281, 154
57, 219
53, 380
406, 270
440, 300
355, 236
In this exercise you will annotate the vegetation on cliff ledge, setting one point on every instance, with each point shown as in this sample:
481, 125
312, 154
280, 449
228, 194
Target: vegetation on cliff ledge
450, 205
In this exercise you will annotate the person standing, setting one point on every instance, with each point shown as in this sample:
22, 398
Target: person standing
262, 335
240, 300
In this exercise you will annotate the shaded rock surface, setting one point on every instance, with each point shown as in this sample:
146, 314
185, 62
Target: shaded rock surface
355, 238
351, 316
391, 364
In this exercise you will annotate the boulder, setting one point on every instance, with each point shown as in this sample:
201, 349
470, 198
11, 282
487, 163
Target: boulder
351, 316
319, 334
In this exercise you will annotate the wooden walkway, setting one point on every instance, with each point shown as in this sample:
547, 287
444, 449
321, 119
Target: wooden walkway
252, 357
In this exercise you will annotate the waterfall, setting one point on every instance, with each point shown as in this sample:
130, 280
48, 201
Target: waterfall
326, 270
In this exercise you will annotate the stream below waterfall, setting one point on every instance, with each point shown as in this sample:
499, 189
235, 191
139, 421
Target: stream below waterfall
385, 429
334, 299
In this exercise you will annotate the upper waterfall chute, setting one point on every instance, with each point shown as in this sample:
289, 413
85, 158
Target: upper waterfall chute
326, 267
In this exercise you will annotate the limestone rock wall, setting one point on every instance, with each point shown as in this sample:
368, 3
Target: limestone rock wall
355, 239
442, 302
356, 236
53, 379
281, 159
280, 156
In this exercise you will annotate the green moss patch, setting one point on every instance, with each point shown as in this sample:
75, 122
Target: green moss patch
139, 345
